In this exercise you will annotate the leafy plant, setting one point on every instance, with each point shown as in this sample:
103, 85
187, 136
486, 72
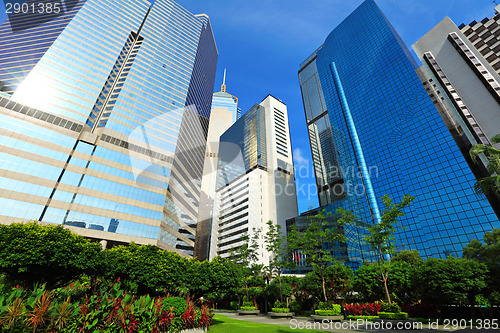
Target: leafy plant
280, 310
175, 304
491, 184
386, 307
363, 309
391, 315
248, 308
328, 312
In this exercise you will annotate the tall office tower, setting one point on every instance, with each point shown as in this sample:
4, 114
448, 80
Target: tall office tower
377, 132
460, 72
255, 177
104, 120
224, 113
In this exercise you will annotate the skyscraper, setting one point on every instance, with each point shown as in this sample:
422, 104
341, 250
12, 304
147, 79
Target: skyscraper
374, 131
255, 177
104, 125
225, 112
460, 72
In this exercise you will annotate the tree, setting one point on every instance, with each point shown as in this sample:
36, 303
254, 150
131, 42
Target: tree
381, 235
317, 242
452, 280
34, 252
223, 278
488, 253
247, 256
400, 281
276, 246
491, 184
149, 268
337, 280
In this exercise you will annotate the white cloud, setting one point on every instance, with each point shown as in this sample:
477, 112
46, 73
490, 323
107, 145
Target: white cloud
298, 157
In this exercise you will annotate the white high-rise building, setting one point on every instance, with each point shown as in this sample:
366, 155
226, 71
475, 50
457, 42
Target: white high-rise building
255, 181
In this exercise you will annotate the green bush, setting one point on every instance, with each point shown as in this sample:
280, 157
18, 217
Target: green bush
390, 315
178, 304
280, 310
295, 306
335, 310
393, 308
330, 306
247, 304
279, 304
234, 305
248, 308
369, 318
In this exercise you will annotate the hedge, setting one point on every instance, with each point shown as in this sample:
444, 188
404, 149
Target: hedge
280, 310
248, 308
390, 315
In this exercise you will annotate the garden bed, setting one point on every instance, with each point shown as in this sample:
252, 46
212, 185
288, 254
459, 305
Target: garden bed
276, 315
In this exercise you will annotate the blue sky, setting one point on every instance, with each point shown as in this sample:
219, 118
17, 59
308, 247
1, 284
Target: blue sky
262, 42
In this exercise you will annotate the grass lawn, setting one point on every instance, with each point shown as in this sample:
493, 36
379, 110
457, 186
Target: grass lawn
224, 324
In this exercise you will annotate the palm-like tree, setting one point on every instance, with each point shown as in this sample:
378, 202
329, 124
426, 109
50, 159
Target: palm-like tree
491, 184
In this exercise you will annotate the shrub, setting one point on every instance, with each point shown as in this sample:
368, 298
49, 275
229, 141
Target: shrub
391, 315
295, 306
328, 312
248, 308
334, 309
280, 310
177, 304
363, 309
234, 305
329, 306
247, 304
279, 304
393, 308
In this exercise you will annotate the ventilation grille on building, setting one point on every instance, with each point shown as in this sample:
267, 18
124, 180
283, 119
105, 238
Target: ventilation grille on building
280, 133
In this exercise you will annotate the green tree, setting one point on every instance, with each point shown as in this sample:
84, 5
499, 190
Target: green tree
317, 242
400, 282
488, 253
150, 268
491, 184
381, 236
337, 280
276, 247
452, 280
34, 252
247, 256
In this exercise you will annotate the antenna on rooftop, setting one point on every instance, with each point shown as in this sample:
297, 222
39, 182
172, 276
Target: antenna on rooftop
223, 87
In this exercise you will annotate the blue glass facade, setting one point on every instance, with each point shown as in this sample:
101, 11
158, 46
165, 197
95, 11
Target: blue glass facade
24, 39
97, 135
398, 132
242, 147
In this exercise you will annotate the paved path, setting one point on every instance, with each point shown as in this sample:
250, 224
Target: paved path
347, 327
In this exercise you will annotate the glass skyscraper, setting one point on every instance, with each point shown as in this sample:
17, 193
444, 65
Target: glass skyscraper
374, 131
104, 120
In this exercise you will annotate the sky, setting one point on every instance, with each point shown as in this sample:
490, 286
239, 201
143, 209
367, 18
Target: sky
261, 44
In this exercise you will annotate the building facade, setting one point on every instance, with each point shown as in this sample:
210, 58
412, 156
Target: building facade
255, 177
224, 113
104, 125
460, 73
374, 131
